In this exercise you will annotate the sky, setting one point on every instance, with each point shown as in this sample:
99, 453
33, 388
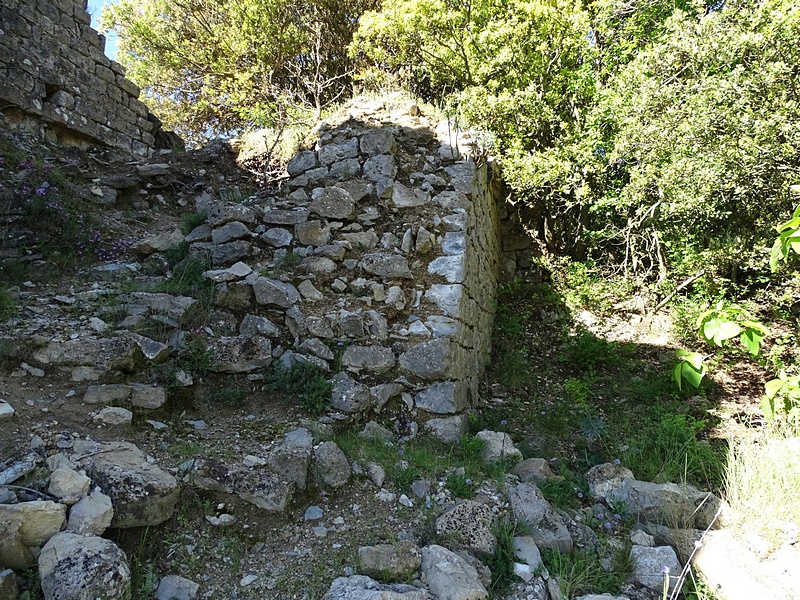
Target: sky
95, 6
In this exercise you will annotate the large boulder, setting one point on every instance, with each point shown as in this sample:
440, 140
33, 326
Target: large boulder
141, 492
331, 465
77, 567
292, 457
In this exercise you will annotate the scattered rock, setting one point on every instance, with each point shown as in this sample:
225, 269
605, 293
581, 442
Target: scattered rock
331, 465
652, 565
24, 529
498, 446
68, 485
175, 587
450, 577
361, 587
389, 562
83, 567
141, 492
91, 515
468, 525
113, 416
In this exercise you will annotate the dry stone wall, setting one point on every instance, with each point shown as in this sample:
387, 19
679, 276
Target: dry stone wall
378, 262
56, 80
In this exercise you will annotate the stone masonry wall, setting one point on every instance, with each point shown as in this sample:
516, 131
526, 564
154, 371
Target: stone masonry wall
378, 262
56, 80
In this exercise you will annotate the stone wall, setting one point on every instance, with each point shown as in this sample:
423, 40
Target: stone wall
378, 262
55, 79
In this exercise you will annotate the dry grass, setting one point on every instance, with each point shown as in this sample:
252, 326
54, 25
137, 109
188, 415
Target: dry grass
763, 487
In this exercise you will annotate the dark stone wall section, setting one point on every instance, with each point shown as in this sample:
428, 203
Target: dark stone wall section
56, 81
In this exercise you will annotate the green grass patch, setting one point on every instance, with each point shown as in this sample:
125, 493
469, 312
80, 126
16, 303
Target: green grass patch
191, 221
581, 572
304, 382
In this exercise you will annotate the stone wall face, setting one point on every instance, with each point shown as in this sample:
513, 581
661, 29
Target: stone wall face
56, 80
377, 262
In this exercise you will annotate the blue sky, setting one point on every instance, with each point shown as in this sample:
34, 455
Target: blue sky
95, 6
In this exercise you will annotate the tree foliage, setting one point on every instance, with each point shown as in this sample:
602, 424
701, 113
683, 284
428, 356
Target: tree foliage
656, 133
212, 66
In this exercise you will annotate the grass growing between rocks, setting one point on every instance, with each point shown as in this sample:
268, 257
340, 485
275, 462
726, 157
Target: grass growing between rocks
458, 466
304, 382
762, 484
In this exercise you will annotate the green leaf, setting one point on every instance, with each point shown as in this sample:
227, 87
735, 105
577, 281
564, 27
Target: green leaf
691, 375
676, 375
773, 386
718, 330
776, 254
751, 339
768, 408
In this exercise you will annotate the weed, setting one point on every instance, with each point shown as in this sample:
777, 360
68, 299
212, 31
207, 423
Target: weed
177, 253
581, 573
192, 221
285, 263
304, 381
501, 563
186, 449
232, 395
8, 306
460, 486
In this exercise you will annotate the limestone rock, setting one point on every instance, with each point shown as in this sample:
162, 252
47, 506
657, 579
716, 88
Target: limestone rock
332, 203
448, 429
651, 565
604, 478
8, 585
6, 410
241, 354
361, 587
665, 503
234, 230
498, 446
113, 416
389, 562
301, 162
147, 396
375, 431
107, 393
348, 395
429, 360
93, 514
533, 469
292, 457
380, 168
337, 151
141, 492
259, 487
81, 567
526, 550
159, 243
175, 587
274, 291
68, 485
312, 233
447, 298
450, 577
468, 525
277, 237
446, 397
389, 266
331, 465
257, 325
403, 197
376, 359
378, 141
25, 527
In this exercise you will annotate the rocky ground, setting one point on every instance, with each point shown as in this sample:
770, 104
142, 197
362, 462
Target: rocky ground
178, 480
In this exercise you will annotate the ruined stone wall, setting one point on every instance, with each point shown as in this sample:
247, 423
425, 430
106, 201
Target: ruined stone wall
56, 80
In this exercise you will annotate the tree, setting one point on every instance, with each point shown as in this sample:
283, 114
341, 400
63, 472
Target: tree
215, 66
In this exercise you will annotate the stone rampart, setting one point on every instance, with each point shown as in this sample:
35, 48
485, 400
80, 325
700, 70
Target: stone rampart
56, 80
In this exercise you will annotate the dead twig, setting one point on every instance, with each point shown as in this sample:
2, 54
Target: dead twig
678, 289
